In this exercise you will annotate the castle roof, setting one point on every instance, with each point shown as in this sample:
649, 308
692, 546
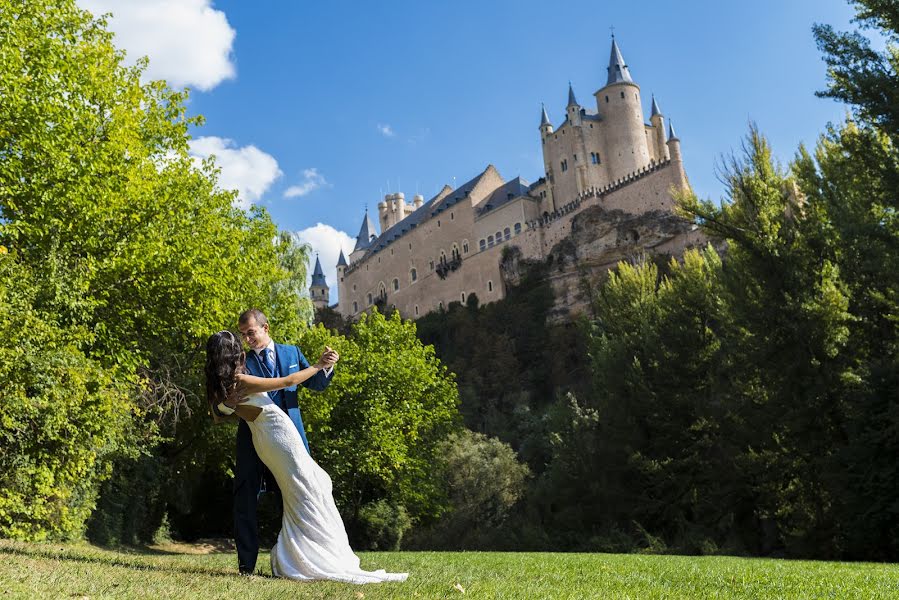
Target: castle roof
572, 101
341, 261
432, 207
366, 234
655, 107
618, 71
505, 193
318, 276
671, 134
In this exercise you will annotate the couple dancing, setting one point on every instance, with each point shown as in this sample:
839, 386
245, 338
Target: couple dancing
261, 390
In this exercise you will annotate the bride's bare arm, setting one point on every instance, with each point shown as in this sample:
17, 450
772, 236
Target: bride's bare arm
249, 384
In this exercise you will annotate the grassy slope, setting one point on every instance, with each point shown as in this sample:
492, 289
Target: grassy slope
83, 571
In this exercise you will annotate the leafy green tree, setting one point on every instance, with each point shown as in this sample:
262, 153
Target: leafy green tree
484, 480
127, 242
61, 417
376, 428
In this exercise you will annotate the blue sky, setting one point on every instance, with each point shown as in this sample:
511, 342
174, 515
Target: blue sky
317, 109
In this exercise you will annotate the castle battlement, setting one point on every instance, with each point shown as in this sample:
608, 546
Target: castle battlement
431, 253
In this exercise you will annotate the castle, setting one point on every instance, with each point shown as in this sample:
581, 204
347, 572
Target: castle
431, 253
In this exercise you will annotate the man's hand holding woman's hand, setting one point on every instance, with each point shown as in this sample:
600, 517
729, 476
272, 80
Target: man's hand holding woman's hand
328, 358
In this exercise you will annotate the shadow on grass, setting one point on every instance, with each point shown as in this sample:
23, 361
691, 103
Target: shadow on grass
73, 556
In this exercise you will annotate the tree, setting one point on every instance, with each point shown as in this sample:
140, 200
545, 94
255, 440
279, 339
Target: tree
377, 426
126, 240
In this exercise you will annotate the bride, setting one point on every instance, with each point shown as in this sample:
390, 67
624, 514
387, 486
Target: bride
312, 543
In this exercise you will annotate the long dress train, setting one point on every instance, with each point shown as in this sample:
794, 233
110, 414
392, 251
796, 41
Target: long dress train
312, 543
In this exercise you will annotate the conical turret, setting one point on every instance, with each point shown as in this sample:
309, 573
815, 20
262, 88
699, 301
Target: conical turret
572, 101
618, 71
366, 233
319, 288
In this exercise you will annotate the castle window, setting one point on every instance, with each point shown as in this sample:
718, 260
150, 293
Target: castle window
438, 222
410, 246
452, 216
575, 158
379, 260
506, 233
416, 310
517, 228
355, 307
440, 305
396, 284
607, 99
369, 299
489, 286
455, 252
489, 240
354, 287
463, 297
431, 265
482, 244
499, 237
465, 247
622, 94
391, 252
413, 274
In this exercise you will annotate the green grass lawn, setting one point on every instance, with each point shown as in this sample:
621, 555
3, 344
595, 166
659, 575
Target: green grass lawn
179, 571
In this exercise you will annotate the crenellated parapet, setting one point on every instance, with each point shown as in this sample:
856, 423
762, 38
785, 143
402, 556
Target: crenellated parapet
598, 192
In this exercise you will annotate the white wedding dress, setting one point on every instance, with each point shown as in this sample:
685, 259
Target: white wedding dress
312, 543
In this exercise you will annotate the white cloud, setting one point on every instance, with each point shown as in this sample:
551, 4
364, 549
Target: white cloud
189, 43
328, 242
312, 180
386, 130
248, 170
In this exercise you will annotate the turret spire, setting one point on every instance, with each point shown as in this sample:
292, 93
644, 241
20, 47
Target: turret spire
618, 71
671, 134
341, 261
544, 118
655, 107
366, 233
318, 276
572, 101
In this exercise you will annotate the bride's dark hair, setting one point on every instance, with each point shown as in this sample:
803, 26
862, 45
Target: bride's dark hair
224, 360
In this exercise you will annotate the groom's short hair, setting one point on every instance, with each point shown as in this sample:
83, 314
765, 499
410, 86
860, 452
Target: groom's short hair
255, 314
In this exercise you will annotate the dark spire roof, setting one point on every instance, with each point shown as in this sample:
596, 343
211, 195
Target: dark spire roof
617, 68
655, 107
572, 101
318, 276
366, 233
544, 118
341, 261
671, 134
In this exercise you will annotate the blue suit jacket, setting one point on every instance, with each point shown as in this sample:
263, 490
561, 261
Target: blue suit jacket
289, 359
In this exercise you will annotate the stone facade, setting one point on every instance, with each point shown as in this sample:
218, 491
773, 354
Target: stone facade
605, 170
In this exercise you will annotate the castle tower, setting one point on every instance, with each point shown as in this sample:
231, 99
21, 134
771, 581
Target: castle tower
677, 161
619, 105
341, 273
318, 291
363, 240
657, 119
574, 112
546, 130
573, 109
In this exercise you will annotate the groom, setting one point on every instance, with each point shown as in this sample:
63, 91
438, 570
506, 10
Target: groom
265, 359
